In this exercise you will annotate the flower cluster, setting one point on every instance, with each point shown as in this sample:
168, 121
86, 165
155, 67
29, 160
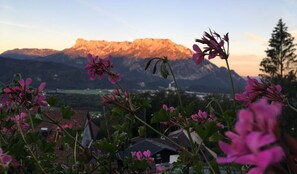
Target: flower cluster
4, 159
176, 118
214, 47
24, 96
13, 121
145, 155
202, 117
255, 140
120, 99
100, 67
256, 90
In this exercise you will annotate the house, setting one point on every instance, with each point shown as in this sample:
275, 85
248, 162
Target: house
181, 137
80, 121
160, 149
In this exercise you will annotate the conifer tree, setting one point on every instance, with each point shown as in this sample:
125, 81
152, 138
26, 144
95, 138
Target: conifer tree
279, 65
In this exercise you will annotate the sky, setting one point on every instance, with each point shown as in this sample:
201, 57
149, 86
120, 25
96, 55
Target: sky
56, 24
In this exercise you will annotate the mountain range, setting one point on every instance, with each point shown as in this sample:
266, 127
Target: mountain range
65, 68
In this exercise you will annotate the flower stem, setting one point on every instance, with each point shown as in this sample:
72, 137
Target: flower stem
180, 102
29, 149
177, 87
231, 80
292, 107
74, 139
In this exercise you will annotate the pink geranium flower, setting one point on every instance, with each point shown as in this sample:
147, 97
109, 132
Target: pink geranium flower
4, 159
22, 95
21, 120
100, 67
254, 141
214, 47
199, 55
67, 126
145, 155
139, 155
256, 90
202, 117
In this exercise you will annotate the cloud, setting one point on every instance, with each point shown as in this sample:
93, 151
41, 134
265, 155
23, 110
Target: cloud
13, 24
255, 38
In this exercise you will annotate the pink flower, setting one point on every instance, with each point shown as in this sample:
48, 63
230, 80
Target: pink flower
20, 119
171, 109
139, 155
199, 55
165, 107
214, 47
254, 141
100, 67
24, 96
256, 90
114, 77
120, 99
67, 126
220, 125
147, 153
202, 117
160, 168
4, 159
21, 116
166, 122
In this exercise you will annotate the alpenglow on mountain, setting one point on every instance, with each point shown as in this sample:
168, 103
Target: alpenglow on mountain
139, 48
129, 59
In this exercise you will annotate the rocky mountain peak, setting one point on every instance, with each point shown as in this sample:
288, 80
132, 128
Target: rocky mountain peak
139, 48
30, 52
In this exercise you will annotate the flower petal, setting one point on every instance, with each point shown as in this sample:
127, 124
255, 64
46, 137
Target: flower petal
196, 48
222, 160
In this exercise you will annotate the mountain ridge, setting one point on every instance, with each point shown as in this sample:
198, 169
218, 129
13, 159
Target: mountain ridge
129, 59
139, 48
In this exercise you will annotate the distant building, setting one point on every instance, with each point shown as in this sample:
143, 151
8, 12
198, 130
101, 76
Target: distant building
80, 121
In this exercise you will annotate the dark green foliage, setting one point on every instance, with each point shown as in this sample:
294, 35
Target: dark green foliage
67, 112
280, 60
280, 67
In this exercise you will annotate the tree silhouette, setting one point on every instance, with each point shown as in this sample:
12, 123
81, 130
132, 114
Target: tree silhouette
279, 64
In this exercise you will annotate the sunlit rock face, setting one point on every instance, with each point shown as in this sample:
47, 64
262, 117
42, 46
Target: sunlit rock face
30, 52
139, 48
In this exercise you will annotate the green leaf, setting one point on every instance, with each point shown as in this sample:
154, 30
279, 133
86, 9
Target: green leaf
198, 168
117, 111
32, 137
160, 116
16, 78
200, 130
121, 127
215, 167
67, 112
189, 109
52, 101
46, 146
107, 146
142, 131
216, 137
211, 128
